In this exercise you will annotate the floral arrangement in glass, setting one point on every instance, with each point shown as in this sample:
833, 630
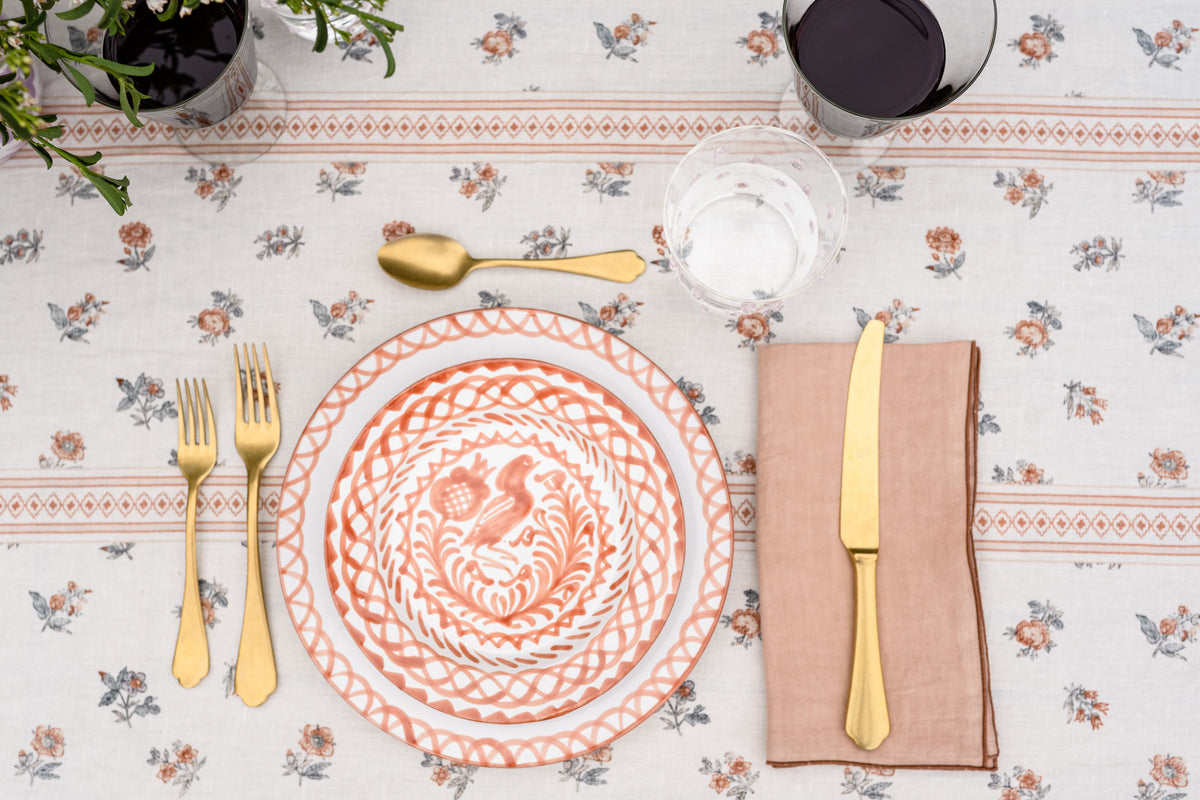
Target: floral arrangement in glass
23, 40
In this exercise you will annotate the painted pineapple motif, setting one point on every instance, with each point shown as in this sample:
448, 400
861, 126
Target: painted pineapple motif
460, 495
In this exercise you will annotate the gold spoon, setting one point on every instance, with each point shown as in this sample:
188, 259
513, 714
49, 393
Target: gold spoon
430, 261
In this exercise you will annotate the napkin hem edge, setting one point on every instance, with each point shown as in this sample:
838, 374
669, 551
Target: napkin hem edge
989, 763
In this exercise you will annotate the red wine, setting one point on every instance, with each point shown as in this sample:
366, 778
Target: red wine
877, 58
188, 53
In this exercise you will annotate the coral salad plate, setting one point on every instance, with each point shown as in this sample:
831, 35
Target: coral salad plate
504, 537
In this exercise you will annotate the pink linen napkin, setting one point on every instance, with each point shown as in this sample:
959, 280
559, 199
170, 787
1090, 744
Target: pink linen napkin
931, 633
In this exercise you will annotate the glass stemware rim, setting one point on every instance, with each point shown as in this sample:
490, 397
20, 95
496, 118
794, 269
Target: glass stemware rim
905, 117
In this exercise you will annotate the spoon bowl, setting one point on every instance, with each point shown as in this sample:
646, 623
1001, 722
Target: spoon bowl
432, 261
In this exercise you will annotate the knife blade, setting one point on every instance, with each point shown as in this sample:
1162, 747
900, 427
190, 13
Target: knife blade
867, 720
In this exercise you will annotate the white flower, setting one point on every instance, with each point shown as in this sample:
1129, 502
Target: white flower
156, 6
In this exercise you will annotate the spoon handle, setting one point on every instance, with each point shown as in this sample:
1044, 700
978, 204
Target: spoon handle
620, 265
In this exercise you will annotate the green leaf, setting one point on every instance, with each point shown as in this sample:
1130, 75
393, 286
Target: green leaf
78, 11
128, 106
138, 71
112, 18
81, 83
113, 190
47, 53
363, 16
41, 151
118, 199
387, 51
11, 122
322, 30
51, 131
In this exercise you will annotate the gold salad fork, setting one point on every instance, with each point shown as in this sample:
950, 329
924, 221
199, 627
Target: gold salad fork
196, 455
256, 433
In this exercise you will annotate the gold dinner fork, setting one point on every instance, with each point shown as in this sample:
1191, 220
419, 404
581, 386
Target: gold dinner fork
256, 433
196, 455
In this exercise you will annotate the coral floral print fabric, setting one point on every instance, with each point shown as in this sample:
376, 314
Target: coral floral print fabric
1048, 215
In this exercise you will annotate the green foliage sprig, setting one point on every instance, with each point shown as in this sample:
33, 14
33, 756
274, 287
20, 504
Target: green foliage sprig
22, 40
22, 117
323, 11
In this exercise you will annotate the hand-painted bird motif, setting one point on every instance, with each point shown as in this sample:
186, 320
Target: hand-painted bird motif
511, 505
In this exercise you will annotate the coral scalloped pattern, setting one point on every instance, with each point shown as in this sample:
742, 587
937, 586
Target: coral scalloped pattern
537, 621
665, 674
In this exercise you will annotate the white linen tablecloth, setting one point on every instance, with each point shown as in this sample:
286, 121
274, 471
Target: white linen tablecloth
1049, 215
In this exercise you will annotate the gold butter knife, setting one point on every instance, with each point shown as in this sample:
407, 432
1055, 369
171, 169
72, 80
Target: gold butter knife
867, 721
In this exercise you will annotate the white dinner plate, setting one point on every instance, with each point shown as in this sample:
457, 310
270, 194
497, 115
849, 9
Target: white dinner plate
505, 537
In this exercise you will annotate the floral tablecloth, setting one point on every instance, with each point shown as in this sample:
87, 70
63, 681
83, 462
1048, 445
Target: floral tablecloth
1049, 215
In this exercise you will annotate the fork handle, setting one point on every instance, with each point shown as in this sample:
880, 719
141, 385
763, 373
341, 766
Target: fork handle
254, 679
191, 647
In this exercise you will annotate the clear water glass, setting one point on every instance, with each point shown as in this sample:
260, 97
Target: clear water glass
753, 215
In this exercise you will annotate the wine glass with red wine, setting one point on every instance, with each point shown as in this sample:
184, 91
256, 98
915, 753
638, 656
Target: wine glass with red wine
866, 67
207, 83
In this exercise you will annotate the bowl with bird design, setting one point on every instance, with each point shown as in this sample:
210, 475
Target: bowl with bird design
504, 540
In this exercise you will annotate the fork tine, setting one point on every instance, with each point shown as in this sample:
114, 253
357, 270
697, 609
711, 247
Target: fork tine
179, 416
210, 425
191, 423
254, 385
268, 401
201, 425
193, 399
270, 387
241, 414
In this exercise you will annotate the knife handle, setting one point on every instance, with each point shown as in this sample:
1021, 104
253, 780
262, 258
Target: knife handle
867, 721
